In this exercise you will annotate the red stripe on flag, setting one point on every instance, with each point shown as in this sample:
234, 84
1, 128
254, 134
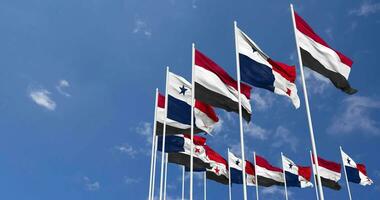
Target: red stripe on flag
249, 168
304, 172
303, 27
161, 100
362, 168
330, 165
203, 61
286, 71
198, 140
214, 156
207, 109
260, 161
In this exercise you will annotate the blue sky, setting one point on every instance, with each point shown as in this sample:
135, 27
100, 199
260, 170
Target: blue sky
77, 88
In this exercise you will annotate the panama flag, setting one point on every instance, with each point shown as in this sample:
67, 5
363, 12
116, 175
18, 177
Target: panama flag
236, 170
215, 87
295, 175
179, 109
258, 70
319, 56
329, 172
267, 174
356, 173
218, 170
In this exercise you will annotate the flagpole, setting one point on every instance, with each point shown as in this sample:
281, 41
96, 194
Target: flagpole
283, 173
240, 112
257, 182
192, 120
153, 147
166, 174
315, 181
154, 165
204, 186
229, 175
345, 174
164, 134
314, 148
183, 182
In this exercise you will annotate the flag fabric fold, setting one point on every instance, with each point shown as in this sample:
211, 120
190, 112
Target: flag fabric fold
295, 175
236, 170
356, 173
329, 172
258, 70
214, 86
267, 174
319, 56
218, 170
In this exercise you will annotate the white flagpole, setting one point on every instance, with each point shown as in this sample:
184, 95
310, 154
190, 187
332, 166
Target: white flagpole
283, 173
192, 120
240, 112
315, 181
154, 165
153, 147
307, 106
163, 135
183, 182
204, 186
345, 173
257, 182
229, 175
166, 174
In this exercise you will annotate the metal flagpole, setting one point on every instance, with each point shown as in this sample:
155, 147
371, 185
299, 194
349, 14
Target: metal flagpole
229, 175
166, 174
257, 182
154, 165
153, 147
283, 173
164, 134
240, 112
315, 181
307, 107
183, 182
345, 173
204, 185
192, 120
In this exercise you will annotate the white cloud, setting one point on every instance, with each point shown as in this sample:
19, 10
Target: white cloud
62, 84
256, 131
91, 185
329, 33
41, 97
145, 129
366, 8
141, 27
127, 149
129, 180
262, 100
283, 137
315, 82
275, 191
194, 4
355, 115
218, 127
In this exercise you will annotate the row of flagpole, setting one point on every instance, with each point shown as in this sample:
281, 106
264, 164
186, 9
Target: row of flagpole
162, 191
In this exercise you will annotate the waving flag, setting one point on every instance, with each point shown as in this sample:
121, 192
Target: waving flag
267, 174
296, 176
329, 172
258, 70
179, 112
218, 170
356, 173
215, 87
236, 170
319, 56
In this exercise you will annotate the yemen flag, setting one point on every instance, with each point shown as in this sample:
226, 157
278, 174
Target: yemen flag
319, 56
329, 172
215, 87
258, 70
267, 174
356, 173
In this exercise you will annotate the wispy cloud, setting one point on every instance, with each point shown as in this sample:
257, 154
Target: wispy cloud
274, 191
127, 149
329, 33
42, 98
262, 100
256, 131
194, 4
130, 180
91, 185
366, 8
316, 83
141, 27
145, 129
355, 114
62, 85
283, 137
